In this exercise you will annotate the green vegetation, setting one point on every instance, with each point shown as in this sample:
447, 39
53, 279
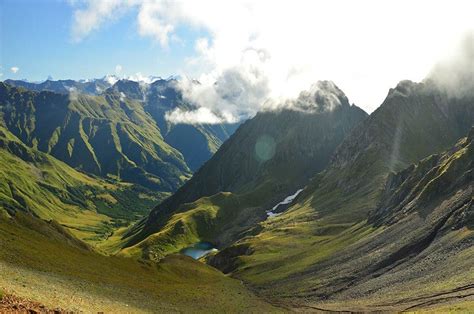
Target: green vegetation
415, 250
117, 131
34, 182
46, 265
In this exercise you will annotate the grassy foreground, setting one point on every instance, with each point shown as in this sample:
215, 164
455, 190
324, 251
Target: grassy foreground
43, 262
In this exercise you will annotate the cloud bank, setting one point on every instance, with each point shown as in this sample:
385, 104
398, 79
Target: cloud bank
14, 70
455, 74
257, 51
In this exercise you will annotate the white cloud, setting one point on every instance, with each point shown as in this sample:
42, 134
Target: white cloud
91, 17
72, 93
201, 115
140, 78
111, 79
14, 70
274, 49
456, 73
236, 92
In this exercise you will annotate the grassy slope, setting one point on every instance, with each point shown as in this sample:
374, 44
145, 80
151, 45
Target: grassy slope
35, 182
277, 258
217, 219
42, 264
423, 251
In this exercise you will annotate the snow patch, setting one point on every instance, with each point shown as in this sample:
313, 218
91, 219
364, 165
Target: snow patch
271, 213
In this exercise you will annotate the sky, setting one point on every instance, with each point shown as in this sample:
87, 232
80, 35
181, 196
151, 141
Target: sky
36, 37
244, 53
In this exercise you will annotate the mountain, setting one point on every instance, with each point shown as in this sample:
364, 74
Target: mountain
36, 183
314, 205
357, 226
105, 135
267, 158
197, 142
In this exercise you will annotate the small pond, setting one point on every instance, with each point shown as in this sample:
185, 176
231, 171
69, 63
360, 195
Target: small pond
199, 249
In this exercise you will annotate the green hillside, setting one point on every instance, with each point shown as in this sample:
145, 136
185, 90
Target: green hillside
36, 183
269, 157
42, 262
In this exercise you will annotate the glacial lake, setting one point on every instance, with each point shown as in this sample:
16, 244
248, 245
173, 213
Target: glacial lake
199, 249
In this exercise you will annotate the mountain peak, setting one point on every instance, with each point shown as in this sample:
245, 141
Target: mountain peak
322, 96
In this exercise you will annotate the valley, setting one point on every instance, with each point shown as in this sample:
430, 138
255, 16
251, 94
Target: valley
106, 205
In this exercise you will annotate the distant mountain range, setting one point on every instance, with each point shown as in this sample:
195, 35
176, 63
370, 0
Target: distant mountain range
90, 87
115, 130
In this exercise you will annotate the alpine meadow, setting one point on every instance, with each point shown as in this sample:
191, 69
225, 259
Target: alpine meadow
205, 156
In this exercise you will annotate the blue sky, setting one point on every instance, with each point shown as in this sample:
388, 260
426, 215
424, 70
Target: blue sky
253, 50
35, 36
